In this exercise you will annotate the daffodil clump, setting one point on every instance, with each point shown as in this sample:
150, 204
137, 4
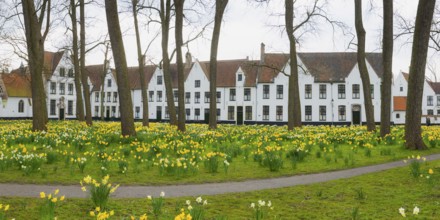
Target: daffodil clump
50, 201
415, 165
4, 208
99, 191
99, 214
157, 204
273, 158
415, 211
197, 209
261, 209
183, 216
212, 161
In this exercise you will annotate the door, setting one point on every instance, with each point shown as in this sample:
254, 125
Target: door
356, 115
107, 113
239, 115
61, 113
207, 115
159, 113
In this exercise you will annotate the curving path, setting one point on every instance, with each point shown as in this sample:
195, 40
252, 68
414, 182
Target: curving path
74, 191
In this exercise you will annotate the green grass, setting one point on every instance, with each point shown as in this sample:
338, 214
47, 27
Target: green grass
383, 194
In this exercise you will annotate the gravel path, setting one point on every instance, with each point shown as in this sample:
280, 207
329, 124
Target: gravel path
74, 191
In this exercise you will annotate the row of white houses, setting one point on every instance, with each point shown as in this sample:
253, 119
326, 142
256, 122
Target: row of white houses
248, 91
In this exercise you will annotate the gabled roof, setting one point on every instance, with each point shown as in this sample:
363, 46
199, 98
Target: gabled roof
95, 73
250, 69
335, 67
226, 71
173, 73
399, 103
134, 79
51, 61
271, 66
17, 85
435, 86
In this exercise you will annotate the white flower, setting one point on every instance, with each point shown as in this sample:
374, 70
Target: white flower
253, 205
402, 211
149, 197
190, 207
226, 163
269, 204
162, 194
199, 199
188, 202
205, 202
261, 203
416, 210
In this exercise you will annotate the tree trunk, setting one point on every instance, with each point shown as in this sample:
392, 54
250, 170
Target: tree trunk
413, 130
220, 6
84, 76
35, 49
165, 14
79, 100
385, 105
125, 102
360, 31
294, 103
141, 58
104, 72
178, 5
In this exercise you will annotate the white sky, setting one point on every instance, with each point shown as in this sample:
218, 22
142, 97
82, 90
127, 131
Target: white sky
246, 25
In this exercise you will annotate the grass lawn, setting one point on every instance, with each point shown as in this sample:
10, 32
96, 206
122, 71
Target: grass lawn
371, 196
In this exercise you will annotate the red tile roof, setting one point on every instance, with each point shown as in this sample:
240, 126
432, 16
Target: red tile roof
226, 71
399, 103
17, 85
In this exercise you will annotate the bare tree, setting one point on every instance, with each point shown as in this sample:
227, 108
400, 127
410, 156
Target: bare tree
413, 130
220, 6
84, 76
35, 49
385, 105
360, 31
178, 6
126, 105
104, 72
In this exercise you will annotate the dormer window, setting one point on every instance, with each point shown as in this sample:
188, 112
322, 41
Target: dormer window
197, 84
62, 72
159, 80
70, 73
240, 77
109, 83
401, 88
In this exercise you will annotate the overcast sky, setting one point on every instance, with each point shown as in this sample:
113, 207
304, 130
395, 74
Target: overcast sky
246, 26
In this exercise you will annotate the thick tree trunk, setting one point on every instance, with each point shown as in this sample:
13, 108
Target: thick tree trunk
125, 102
165, 12
84, 76
79, 99
35, 49
141, 58
294, 103
178, 5
385, 105
220, 6
413, 130
360, 31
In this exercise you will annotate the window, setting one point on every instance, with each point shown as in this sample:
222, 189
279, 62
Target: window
69, 107
197, 83
322, 91
219, 97
53, 87
96, 111
109, 96
187, 97
438, 112
430, 101
231, 112
308, 113
397, 115
137, 112
159, 96
103, 97
342, 115
207, 99
113, 111
197, 98
167, 113
266, 91
1, 91
70, 73
21, 106
62, 72
232, 95
218, 113
70, 88
247, 94
196, 114
96, 96
188, 112
372, 91
115, 96
109, 82
150, 96
240, 77
176, 95
401, 89
322, 113
438, 100
248, 113
430, 112
341, 91
159, 80
280, 91
279, 113
308, 91
53, 105
356, 88
265, 112
62, 88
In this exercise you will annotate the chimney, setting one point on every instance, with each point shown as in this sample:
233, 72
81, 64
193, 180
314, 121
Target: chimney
188, 60
22, 69
262, 53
